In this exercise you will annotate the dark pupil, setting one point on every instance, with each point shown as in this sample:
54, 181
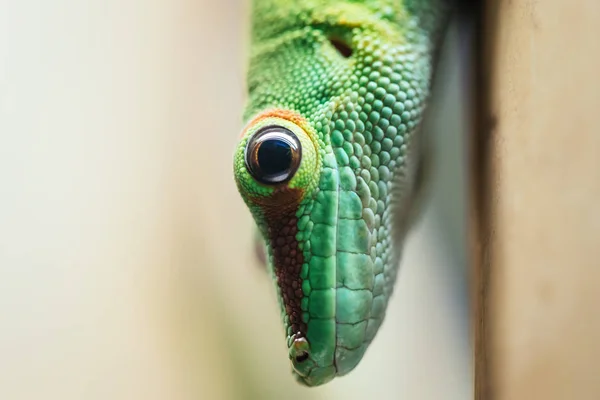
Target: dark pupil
274, 157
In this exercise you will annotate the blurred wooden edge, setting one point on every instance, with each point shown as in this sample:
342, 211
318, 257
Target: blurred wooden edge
481, 176
514, 40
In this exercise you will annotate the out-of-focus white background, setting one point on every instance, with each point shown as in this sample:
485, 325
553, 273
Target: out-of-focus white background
126, 259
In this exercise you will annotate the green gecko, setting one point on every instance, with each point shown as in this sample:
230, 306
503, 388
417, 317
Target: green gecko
331, 161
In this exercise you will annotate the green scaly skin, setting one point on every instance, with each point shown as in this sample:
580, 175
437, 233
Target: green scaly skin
343, 216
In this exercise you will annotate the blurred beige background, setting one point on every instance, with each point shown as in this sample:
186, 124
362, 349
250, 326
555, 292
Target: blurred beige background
126, 264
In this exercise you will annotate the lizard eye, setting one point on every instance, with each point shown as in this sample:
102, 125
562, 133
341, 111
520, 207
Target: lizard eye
273, 155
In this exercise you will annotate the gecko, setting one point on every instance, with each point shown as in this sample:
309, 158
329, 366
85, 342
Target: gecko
331, 162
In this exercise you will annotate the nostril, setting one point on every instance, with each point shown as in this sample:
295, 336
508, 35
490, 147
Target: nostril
301, 357
300, 350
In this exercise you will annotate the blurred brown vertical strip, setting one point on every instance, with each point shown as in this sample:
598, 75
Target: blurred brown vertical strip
481, 153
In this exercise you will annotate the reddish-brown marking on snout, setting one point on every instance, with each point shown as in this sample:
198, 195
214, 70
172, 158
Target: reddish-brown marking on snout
280, 210
287, 257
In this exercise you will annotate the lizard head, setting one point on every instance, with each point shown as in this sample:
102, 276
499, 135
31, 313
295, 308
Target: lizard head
335, 94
